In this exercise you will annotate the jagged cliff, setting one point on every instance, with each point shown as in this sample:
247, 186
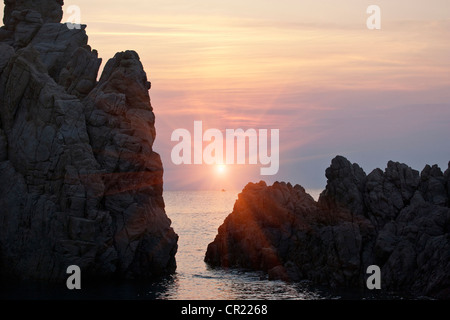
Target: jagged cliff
398, 219
79, 180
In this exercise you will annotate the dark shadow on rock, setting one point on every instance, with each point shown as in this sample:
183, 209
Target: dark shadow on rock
80, 181
398, 219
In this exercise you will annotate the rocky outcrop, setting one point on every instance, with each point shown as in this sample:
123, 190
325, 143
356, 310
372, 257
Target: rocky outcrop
80, 182
397, 219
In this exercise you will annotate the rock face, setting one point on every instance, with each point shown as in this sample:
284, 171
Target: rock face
80, 182
397, 219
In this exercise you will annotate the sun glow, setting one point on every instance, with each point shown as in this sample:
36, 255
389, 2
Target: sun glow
221, 168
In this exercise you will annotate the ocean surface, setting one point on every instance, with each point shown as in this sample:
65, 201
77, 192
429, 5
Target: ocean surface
196, 216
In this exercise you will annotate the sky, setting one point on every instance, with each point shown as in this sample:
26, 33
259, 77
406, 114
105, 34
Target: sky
311, 69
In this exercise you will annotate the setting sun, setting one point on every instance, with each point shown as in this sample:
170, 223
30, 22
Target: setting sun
221, 168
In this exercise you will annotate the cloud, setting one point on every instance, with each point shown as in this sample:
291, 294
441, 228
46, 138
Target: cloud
309, 68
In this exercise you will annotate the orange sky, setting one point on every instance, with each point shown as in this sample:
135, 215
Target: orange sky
309, 68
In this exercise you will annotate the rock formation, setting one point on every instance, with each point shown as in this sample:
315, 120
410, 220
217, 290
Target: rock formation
397, 219
79, 180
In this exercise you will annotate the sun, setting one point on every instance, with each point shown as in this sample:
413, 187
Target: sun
221, 168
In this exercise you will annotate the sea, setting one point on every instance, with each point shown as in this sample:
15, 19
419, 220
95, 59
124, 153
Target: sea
195, 216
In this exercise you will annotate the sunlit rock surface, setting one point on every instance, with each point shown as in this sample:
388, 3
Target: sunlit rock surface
398, 219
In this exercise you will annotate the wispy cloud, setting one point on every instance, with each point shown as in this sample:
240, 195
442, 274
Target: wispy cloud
310, 68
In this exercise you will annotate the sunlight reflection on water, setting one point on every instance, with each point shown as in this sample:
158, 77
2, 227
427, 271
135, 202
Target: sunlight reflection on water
196, 216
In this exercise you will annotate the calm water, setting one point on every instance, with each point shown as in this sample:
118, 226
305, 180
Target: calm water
196, 216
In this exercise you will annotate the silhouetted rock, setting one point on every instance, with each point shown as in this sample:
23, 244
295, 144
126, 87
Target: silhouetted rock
49, 10
81, 183
447, 181
79, 76
344, 186
396, 219
433, 185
